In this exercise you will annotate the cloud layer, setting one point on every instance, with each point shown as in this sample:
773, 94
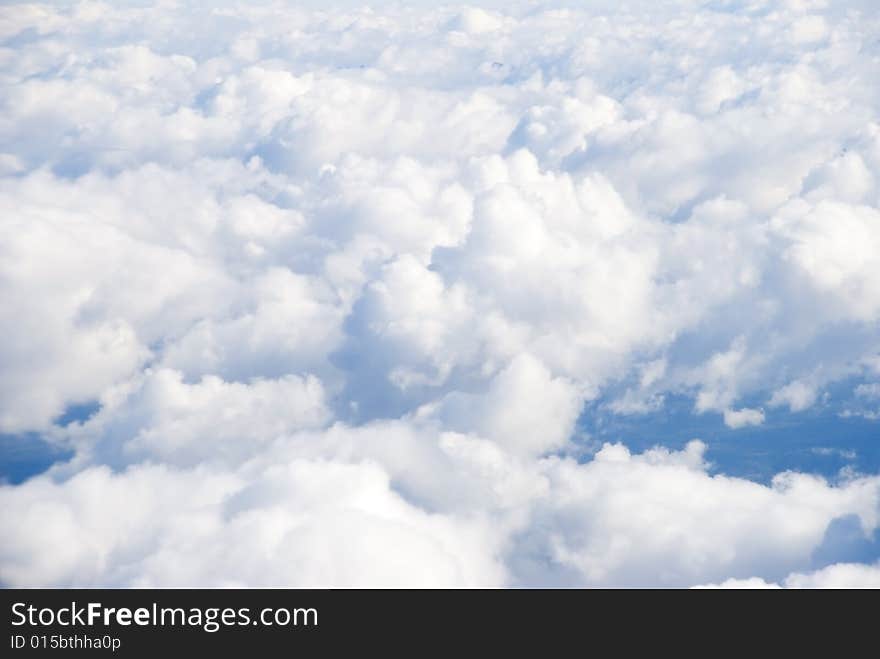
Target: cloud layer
339, 283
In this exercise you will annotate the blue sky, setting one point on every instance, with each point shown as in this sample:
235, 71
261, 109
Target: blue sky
819, 441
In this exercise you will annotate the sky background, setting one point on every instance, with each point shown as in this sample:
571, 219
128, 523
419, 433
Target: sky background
517, 294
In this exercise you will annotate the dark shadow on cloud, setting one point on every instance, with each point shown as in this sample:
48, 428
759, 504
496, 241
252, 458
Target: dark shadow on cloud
365, 396
73, 165
27, 36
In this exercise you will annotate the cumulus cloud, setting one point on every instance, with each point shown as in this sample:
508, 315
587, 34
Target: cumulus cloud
397, 504
798, 395
743, 417
340, 284
839, 575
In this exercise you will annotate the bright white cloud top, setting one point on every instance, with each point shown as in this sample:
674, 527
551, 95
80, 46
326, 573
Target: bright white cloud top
340, 282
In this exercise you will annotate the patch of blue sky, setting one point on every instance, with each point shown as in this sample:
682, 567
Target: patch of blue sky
24, 455
821, 440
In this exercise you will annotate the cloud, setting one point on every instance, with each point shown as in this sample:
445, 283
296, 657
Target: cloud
605, 519
839, 575
868, 391
163, 418
743, 417
524, 410
753, 583
298, 523
797, 395
343, 284
835, 245
404, 504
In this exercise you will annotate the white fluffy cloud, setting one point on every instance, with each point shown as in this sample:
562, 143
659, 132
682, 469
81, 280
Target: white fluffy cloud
340, 282
839, 575
743, 417
404, 504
